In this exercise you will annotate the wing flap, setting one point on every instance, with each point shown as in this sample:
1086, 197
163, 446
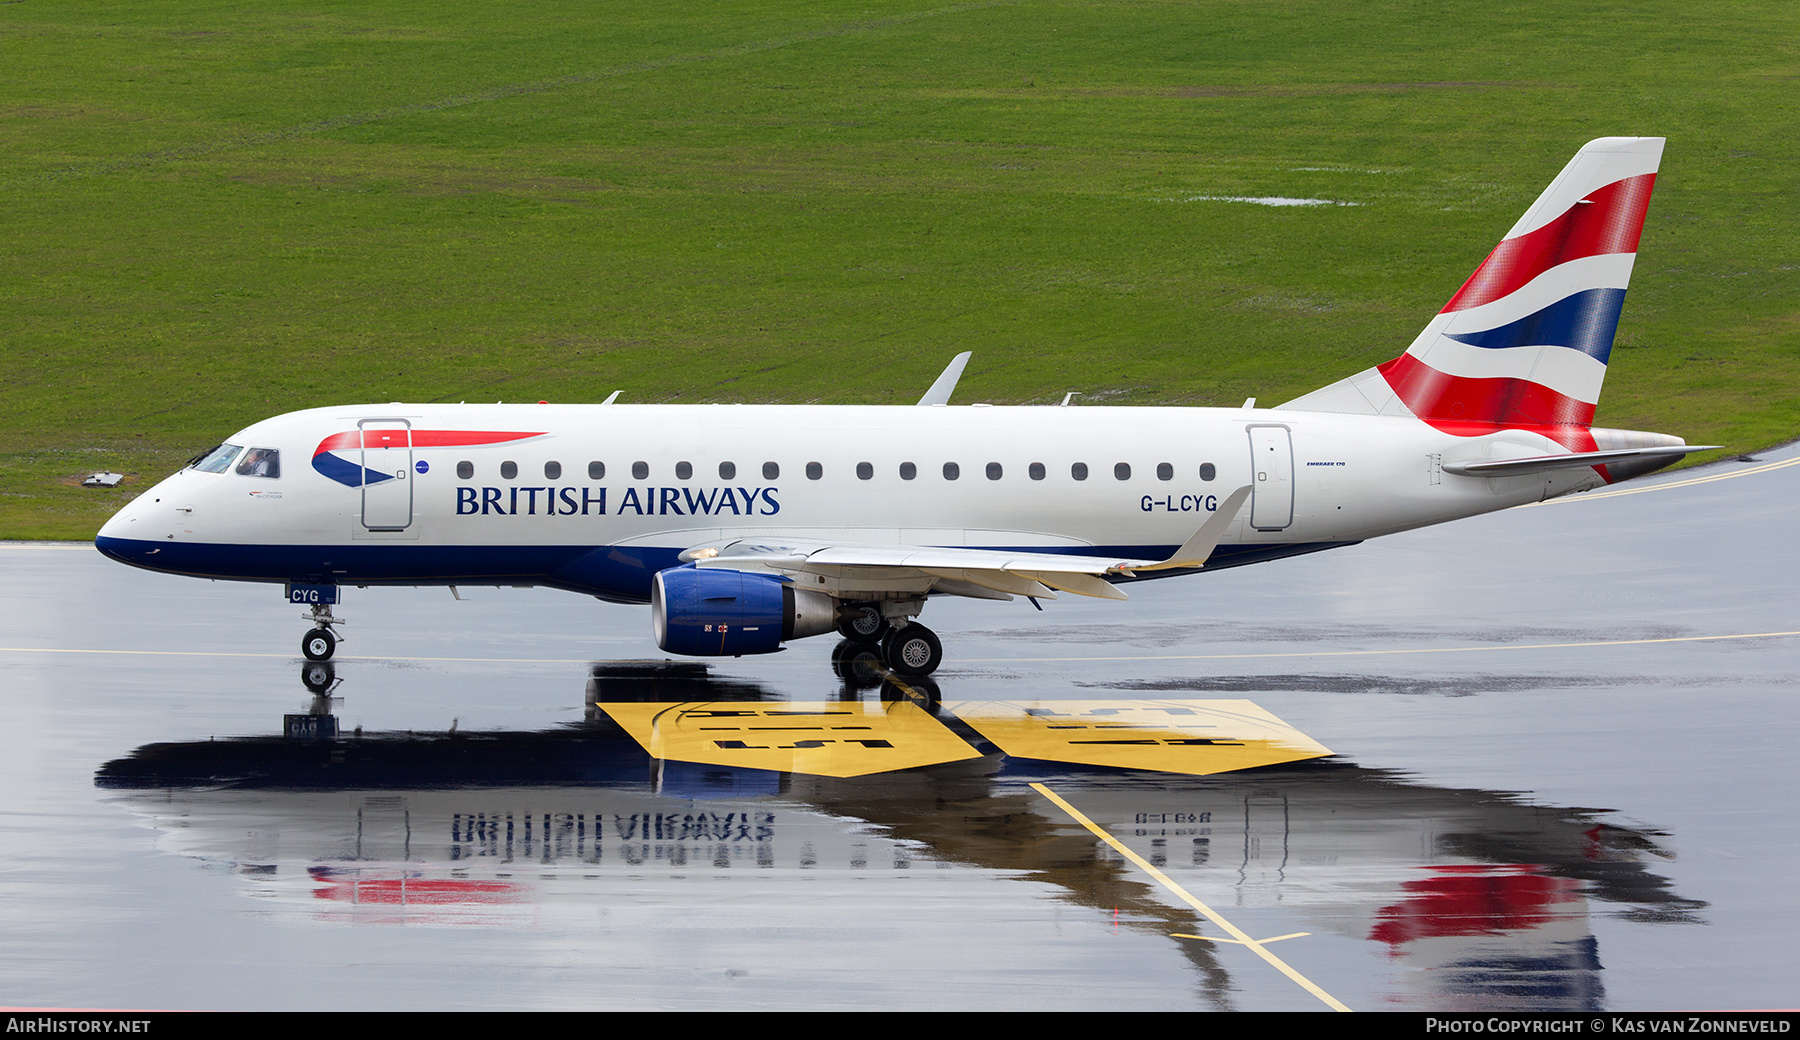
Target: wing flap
998, 581
1079, 584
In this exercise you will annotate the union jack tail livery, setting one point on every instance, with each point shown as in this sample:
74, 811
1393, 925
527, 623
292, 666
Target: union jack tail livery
1524, 343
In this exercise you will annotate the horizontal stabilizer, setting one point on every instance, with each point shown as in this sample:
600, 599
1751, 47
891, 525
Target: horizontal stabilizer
1541, 463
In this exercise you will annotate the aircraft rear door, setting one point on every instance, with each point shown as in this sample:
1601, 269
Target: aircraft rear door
387, 503
1272, 475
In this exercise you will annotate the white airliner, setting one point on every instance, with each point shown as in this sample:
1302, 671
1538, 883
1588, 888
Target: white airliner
747, 526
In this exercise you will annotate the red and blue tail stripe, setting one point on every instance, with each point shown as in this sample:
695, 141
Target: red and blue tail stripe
1609, 220
1526, 340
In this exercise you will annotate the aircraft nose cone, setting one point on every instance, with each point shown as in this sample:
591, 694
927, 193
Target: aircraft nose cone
115, 534
115, 527
124, 536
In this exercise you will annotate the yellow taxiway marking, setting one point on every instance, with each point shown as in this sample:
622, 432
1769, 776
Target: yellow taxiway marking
1220, 938
1196, 737
1592, 495
819, 738
1237, 934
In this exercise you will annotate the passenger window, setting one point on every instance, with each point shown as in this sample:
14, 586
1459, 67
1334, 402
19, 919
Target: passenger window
1122, 471
1036, 470
908, 471
727, 471
509, 470
952, 471
1164, 471
261, 462
771, 471
1078, 471
465, 470
684, 471
640, 470
993, 471
596, 471
552, 471
1207, 472
865, 471
814, 471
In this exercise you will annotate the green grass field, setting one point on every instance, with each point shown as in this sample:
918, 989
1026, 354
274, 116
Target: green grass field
216, 212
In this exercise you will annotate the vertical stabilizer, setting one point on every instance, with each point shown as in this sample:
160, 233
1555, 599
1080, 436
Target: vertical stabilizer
1525, 341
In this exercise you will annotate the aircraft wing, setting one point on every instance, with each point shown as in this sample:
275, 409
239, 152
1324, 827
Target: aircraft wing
980, 573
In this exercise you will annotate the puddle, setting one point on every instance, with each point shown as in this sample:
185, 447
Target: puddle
1265, 200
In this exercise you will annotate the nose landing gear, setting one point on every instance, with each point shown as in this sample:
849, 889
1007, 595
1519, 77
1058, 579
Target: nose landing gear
320, 643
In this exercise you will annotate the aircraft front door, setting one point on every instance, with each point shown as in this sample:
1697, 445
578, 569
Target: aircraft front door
387, 500
1272, 476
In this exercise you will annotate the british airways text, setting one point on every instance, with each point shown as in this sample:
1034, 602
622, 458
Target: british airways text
592, 501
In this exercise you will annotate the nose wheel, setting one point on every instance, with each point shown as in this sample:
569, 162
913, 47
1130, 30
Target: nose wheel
320, 643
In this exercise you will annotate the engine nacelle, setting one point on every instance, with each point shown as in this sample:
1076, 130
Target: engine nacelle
718, 613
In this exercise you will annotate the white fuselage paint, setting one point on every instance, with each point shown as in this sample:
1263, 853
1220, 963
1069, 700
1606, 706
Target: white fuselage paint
1352, 477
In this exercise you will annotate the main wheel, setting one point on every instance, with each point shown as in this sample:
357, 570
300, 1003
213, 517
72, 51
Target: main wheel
913, 650
858, 664
318, 645
862, 623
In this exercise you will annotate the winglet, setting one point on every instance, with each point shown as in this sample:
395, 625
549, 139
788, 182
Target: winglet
946, 383
1205, 540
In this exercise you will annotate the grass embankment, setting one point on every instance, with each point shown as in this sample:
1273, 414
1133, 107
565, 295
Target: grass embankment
215, 212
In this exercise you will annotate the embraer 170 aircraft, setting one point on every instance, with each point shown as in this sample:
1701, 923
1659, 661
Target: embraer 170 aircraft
745, 527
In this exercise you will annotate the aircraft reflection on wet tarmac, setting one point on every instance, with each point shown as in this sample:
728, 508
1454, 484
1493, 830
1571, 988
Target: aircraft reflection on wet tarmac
1487, 893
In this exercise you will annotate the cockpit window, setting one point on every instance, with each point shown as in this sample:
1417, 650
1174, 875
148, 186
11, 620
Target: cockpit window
261, 462
216, 460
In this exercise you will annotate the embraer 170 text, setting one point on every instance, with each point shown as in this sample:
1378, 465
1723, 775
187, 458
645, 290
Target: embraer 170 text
745, 527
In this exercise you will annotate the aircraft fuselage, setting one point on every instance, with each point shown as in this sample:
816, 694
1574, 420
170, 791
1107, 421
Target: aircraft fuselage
596, 499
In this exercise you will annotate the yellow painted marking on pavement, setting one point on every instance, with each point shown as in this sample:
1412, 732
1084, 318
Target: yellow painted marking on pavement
1220, 938
819, 738
1237, 934
1196, 737
1592, 495
1372, 653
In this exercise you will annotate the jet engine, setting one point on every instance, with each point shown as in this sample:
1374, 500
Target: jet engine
715, 612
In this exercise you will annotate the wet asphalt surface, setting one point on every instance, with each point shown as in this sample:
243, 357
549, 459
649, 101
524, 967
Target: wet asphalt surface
1564, 779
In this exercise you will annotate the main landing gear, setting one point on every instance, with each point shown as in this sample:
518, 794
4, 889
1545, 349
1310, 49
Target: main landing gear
909, 649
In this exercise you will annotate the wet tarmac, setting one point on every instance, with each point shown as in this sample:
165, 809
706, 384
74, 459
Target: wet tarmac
1563, 777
